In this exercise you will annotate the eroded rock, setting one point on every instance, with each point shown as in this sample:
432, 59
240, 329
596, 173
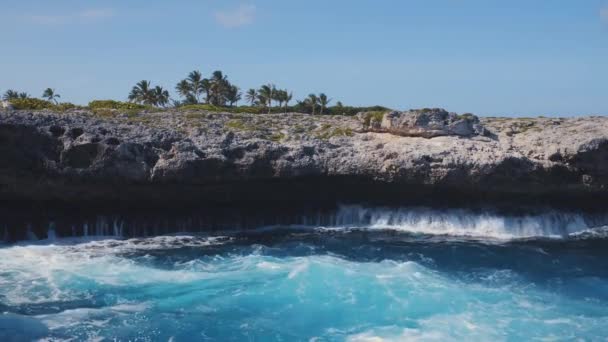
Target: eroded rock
164, 151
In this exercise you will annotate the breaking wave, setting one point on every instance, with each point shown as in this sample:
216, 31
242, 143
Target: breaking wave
462, 222
312, 286
415, 220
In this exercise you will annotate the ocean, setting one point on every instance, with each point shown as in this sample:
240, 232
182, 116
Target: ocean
369, 274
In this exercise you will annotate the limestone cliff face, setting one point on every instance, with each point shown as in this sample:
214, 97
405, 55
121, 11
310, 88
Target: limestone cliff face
171, 155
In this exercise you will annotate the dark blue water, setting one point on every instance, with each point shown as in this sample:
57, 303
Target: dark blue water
307, 285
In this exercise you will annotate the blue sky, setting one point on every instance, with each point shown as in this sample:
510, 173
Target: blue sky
490, 57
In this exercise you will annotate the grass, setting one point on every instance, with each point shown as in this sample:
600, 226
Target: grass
328, 133
195, 116
237, 124
465, 116
276, 137
105, 113
373, 118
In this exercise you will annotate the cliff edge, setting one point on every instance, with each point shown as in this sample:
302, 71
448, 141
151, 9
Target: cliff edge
202, 156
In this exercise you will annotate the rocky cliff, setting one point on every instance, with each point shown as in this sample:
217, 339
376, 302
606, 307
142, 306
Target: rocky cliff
174, 157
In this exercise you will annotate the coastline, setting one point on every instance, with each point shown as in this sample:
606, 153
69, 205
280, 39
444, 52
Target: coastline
210, 157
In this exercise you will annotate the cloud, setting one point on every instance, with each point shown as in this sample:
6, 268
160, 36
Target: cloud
240, 16
604, 14
84, 17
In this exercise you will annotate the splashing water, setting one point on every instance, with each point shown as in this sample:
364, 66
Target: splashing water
418, 220
305, 285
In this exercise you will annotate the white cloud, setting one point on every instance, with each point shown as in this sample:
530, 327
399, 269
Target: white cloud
86, 16
240, 16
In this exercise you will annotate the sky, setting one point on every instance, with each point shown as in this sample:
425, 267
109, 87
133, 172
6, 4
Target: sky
488, 57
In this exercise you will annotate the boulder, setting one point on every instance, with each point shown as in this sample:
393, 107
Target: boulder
429, 123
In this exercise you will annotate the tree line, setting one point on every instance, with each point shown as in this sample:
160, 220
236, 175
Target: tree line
218, 91
49, 94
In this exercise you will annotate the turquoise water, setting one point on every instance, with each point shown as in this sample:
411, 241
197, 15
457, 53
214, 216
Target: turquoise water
306, 285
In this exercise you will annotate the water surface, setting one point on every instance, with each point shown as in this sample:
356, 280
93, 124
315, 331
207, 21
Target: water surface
309, 284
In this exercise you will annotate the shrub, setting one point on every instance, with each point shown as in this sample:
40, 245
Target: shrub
350, 111
374, 117
111, 104
63, 106
30, 103
234, 110
104, 112
327, 132
205, 107
236, 124
298, 108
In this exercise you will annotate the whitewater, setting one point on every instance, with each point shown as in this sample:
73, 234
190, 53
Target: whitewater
360, 274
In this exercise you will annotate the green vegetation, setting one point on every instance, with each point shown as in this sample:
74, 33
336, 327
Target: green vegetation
105, 112
63, 106
237, 124
30, 103
323, 102
339, 109
326, 132
466, 116
144, 93
251, 96
217, 90
276, 137
111, 104
196, 116
50, 95
373, 117
11, 95
214, 94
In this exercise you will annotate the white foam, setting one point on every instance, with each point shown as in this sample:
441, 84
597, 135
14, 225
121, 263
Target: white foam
38, 273
461, 222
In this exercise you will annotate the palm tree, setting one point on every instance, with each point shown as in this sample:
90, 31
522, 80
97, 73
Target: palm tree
219, 88
312, 101
279, 96
233, 95
338, 109
50, 95
161, 96
183, 88
265, 94
283, 98
251, 96
13, 94
288, 98
195, 80
206, 86
142, 93
192, 87
10, 94
323, 101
